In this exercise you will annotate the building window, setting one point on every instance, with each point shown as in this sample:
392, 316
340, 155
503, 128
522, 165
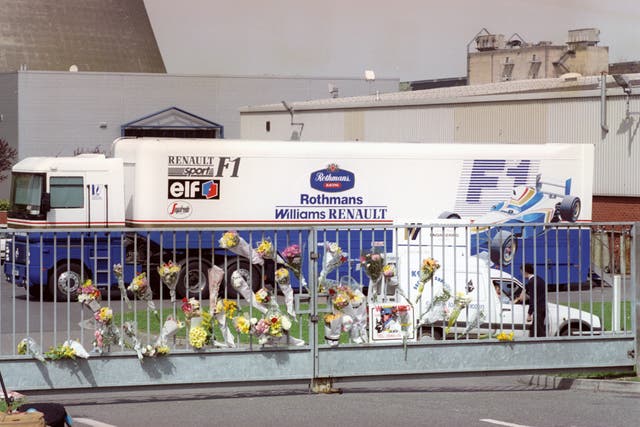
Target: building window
268, 125
534, 67
66, 192
507, 69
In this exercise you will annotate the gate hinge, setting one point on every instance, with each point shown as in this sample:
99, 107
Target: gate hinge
313, 318
631, 354
313, 255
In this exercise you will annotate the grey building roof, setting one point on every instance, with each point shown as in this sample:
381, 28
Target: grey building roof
94, 35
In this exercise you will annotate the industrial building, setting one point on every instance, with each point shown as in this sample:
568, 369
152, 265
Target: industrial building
535, 111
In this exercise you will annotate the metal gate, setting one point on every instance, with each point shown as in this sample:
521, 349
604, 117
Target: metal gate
342, 285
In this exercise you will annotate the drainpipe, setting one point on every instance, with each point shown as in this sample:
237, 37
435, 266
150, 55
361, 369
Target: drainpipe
603, 104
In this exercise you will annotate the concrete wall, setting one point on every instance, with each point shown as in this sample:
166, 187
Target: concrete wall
9, 118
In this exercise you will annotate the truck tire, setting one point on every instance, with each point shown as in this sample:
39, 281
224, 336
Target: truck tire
503, 248
240, 263
448, 215
192, 279
570, 208
65, 282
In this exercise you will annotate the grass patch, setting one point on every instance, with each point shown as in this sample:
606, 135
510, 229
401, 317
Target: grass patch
625, 375
604, 311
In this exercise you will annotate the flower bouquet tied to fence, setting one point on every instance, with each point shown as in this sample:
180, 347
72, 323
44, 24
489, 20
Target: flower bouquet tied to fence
30, 347
169, 272
333, 258
90, 295
225, 310
117, 270
460, 301
233, 242
284, 282
239, 283
427, 270
265, 249
70, 349
373, 262
139, 286
292, 256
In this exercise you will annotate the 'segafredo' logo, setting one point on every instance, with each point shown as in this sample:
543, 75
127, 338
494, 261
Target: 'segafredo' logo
332, 179
179, 210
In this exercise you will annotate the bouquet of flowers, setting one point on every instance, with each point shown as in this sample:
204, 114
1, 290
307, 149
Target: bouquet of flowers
225, 309
437, 301
70, 349
169, 275
333, 258
117, 270
503, 336
190, 308
198, 337
233, 242
242, 324
239, 283
293, 260
89, 295
104, 315
106, 334
340, 297
169, 329
30, 347
265, 249
429, 267
373, 262
263, 296
215, 276
334, 325
460, 301
139, 286
284, 281
357, 310
131, 340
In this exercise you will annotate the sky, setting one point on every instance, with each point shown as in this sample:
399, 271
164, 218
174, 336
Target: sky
404, 39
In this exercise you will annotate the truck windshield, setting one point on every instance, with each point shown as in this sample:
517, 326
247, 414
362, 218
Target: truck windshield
26, 195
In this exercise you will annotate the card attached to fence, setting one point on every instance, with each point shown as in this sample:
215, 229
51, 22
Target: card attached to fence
391, 322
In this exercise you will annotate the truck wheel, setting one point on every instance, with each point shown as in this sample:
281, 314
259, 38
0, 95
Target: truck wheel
65, 281
431, 333
239, 263
503, 248
448, 215
192, 279
570, 208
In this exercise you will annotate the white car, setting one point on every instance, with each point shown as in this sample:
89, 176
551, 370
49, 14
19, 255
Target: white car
464, 304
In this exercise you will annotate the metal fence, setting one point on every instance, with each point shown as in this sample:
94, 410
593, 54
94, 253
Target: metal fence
312, 303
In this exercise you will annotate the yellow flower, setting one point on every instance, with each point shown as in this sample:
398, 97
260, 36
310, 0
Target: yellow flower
230, 307
197, 337
503, 336
22, 347
162, 350
265, 249
241, 324
229, 239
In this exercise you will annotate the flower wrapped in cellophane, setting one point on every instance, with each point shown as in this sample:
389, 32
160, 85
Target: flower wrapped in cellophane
130, 339
169, 273
139, 286
284, 282
233, 242
372, 261
279, 325
265, 249
333, 258
168, 330
436, 308
106, 334
263, 296
225, 309
348, 300
292, 256
30, 347
90, 295
190, 308
334, 325
428, 268
215, 276
460, 301
239, 283
199, 332
117, 270
70, 349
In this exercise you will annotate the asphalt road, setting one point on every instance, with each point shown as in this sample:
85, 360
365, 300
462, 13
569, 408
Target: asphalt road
469, 401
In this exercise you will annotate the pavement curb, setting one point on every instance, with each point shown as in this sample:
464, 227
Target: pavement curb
559, 383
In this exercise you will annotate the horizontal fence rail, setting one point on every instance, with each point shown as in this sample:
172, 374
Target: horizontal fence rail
129, 306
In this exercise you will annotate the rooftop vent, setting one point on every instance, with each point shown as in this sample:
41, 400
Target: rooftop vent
584, 36
489, 42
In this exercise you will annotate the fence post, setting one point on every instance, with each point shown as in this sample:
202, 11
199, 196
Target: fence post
615, 309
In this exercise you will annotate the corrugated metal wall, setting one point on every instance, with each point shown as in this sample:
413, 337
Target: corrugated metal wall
8, 117
62, 111
567, 118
